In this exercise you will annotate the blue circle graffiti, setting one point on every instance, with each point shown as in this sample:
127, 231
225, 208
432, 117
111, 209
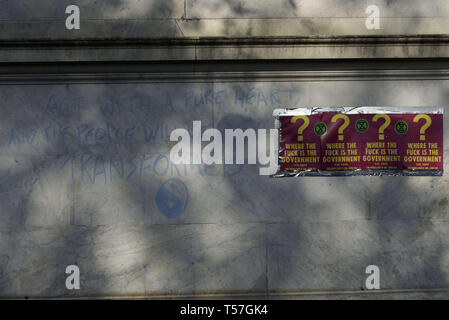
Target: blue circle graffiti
172, 198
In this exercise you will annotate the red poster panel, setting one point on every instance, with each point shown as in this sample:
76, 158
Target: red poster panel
362, 141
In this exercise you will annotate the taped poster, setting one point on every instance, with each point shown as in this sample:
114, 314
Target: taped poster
336, 141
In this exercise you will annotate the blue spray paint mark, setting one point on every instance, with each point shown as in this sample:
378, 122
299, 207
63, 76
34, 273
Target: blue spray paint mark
172, 198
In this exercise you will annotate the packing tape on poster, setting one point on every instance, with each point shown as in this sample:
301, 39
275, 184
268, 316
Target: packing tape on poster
346, 141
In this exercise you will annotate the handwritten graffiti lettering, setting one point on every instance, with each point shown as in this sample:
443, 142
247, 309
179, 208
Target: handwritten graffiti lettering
95, 168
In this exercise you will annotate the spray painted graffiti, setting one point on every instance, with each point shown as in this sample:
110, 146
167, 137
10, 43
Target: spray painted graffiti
77, 221
172, 198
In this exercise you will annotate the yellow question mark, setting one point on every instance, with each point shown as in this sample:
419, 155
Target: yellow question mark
343, 126
384, 125
423, 129
302, 127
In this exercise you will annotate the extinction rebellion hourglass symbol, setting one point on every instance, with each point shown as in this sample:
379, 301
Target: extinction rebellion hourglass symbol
320, 129
362, 125
401, 127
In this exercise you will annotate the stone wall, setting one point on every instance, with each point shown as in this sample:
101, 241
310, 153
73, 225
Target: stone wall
219, 18
84, 137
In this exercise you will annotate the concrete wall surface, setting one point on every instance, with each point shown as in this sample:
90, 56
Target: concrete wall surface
86, 180
23, 19
85, 120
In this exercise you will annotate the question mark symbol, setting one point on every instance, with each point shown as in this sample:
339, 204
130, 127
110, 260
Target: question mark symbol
423, 129
384, 125
302, 127
343, 126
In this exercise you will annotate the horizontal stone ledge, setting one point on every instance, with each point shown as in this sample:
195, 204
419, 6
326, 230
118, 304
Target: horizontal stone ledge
218, 49
253, 76
228, 41
431, 293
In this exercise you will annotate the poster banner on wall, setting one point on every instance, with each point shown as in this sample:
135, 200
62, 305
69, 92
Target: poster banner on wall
336, 141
